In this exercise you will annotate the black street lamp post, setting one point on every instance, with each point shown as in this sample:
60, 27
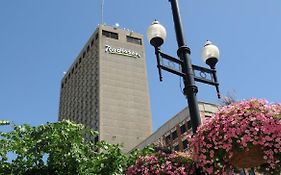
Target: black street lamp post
156, 35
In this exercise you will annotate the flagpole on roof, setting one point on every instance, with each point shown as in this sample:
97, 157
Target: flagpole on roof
102, 8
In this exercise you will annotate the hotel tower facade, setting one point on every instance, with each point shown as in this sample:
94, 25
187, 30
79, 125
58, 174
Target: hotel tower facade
106, 88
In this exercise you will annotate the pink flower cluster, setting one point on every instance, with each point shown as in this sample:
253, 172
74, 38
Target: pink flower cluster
177, 163
237, 127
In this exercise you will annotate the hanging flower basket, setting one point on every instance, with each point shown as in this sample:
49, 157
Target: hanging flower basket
179, 163
245, 134
252, 157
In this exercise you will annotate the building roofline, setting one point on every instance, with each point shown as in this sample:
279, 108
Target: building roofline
98, 28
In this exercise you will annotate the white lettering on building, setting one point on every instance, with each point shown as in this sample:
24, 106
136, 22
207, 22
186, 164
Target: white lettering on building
121, 51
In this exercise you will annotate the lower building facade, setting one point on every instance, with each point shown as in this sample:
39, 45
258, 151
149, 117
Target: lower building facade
175, 132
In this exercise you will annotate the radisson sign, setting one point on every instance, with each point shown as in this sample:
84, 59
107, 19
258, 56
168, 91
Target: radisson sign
121, 51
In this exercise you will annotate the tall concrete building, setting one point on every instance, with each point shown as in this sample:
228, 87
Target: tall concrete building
106, 87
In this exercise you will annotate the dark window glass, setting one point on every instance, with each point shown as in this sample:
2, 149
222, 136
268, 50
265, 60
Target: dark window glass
110, 34
96, 139
207, 117
177, 148
189, 124
174, 135
185, 144
134, 40
97, 35
242, 172
183, 129
168, 139
251, 172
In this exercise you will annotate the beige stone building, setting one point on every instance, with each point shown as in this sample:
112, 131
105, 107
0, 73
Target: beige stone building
106, 87
176, 131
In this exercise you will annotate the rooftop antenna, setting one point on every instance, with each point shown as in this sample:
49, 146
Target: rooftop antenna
102, 8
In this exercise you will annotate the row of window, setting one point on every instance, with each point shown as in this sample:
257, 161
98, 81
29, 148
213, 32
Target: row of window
184, 144
80, 59
114, 35
83, 74
87, 119
106, 34
110, 34
174, 134
134, 40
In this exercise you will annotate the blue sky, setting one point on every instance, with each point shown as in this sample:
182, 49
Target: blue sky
40, 39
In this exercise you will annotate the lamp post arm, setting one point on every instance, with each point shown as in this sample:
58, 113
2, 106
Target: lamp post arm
159, 54
170, 58
212, 72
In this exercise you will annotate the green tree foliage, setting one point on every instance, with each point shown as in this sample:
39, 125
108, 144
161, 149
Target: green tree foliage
135, 154
57, 149
108, 161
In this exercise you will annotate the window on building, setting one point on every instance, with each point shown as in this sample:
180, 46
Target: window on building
97, 36
183, 129
167, 139
189, 124
185, 144
251, 171
208, 116
174, 135
177, 148
134, 40
242, 172
110, 34
96, 139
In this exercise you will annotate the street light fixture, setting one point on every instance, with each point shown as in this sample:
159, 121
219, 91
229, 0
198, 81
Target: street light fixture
210, 54
156, 35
